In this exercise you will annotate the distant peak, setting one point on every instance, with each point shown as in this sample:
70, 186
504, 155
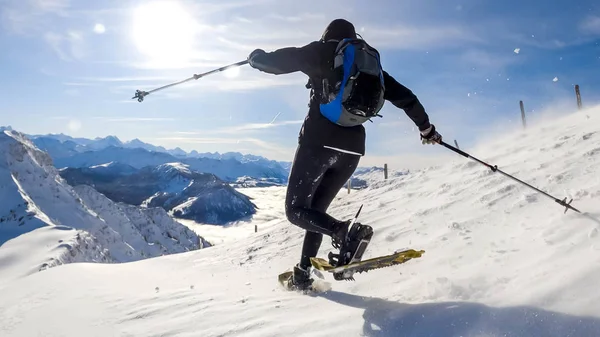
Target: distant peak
135, 141
175, 166
109, 139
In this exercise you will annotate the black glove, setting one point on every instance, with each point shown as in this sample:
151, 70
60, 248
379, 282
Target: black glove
430, 136
252, 55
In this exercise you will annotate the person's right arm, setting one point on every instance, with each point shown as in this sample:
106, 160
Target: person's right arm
288, 60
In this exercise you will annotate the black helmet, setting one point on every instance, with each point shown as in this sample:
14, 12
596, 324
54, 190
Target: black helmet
339, 29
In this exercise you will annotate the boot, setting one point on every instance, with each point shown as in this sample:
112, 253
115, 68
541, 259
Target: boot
352, 244
300, 279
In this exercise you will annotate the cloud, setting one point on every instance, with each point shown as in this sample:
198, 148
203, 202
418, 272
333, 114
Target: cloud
256, 126
135, 119
52, 6
72, 92
78, 84
262, 126
31, 16
249, 81
128, 79
301, 17
240, 129
232, 36
479, 58
591, 25
417, 37
68, 47
259, 146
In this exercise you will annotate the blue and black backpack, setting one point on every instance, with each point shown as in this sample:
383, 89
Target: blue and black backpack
354, 93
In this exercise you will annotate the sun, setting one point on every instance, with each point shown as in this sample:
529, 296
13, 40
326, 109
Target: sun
164, 32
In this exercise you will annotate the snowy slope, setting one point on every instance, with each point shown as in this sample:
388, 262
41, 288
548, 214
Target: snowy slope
41, 212
500, 261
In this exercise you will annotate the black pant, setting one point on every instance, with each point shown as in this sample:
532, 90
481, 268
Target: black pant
317, 176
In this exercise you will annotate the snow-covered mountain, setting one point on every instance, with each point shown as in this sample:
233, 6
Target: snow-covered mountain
57, 224
101, 143
57, 148
67, 151
138, 144
185, 193
228, 170
111, 168
84, 144
500, 259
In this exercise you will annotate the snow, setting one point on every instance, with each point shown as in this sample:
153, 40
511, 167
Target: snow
500, 260
268, 200
59, 224
176, 166
167, 186
102, 165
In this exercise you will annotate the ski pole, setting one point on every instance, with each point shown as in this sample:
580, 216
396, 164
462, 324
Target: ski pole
495, 168
140, 94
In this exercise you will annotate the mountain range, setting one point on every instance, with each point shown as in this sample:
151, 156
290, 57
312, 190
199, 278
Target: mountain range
72, 152
175, 187
75, 224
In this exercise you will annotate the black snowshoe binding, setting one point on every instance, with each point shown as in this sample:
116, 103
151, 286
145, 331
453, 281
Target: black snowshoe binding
352, 243
300, 280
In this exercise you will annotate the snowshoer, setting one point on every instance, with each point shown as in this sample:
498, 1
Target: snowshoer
347, 88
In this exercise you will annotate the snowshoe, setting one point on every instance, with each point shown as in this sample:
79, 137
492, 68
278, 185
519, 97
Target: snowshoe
297, 280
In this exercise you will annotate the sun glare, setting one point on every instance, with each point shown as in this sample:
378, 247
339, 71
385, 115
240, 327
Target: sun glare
232, 72
164, 32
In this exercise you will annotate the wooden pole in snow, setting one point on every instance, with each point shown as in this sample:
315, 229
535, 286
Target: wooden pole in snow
578, 94
523, 114
349, 185
385, 171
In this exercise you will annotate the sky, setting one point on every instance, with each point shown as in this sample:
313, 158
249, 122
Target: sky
73, 66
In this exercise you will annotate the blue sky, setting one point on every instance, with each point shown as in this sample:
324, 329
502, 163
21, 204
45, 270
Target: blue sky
72, 66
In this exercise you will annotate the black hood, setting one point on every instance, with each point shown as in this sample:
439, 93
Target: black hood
339, 29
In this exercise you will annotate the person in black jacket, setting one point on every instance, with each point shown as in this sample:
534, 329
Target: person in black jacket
327, 153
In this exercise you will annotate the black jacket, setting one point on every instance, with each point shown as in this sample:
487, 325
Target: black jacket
315, 60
